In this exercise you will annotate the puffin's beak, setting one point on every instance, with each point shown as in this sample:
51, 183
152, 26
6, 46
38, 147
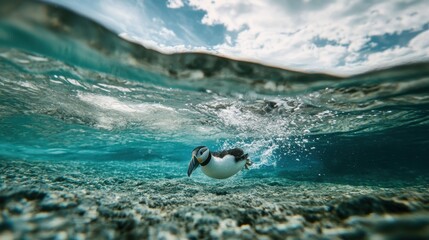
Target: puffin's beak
193, 164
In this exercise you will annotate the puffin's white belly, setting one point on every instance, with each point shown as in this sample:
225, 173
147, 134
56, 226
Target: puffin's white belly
221, 168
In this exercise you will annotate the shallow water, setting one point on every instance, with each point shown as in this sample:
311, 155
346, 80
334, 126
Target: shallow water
74, 94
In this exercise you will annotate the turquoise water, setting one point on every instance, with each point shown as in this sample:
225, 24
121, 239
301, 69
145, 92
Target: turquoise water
72, 91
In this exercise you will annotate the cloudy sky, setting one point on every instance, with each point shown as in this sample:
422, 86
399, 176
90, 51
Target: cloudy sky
340, 37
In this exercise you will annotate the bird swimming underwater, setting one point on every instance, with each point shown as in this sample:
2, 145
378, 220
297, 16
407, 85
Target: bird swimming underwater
218, 165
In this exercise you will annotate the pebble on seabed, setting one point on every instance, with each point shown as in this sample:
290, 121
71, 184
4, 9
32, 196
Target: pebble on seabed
258, 209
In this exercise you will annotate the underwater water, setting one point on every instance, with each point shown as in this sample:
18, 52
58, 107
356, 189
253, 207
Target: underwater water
83, 111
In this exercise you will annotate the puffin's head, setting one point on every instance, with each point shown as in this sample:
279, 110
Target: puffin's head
201, 153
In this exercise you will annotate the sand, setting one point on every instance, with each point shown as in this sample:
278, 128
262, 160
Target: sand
57, 201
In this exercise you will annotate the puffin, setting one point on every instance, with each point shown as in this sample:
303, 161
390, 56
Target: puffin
219, 165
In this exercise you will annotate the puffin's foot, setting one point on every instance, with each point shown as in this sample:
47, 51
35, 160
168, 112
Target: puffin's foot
248, 164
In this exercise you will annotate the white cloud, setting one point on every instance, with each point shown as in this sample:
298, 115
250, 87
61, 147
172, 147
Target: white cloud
175, 4
417, 49
166, 33
283, 33
421, 42
315, 35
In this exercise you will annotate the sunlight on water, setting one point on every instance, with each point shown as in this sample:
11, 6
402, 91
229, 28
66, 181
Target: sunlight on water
260, 124
108, 98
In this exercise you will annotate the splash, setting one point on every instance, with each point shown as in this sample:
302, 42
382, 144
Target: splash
119, 100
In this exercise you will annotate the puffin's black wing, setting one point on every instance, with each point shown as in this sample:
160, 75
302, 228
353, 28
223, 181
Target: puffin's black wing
238, 153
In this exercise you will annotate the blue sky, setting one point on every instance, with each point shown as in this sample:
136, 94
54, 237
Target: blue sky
339, 37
